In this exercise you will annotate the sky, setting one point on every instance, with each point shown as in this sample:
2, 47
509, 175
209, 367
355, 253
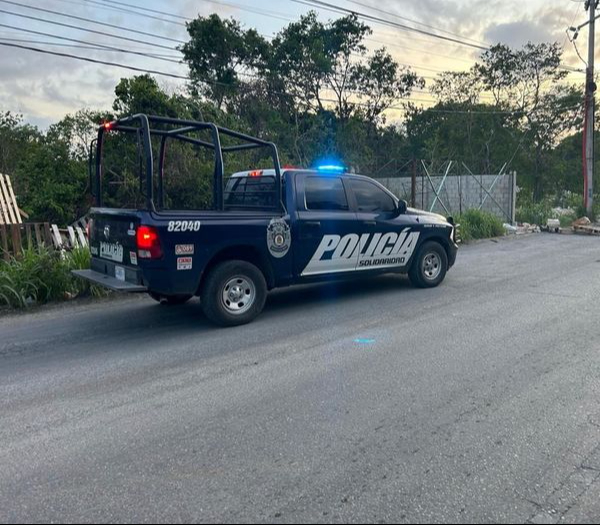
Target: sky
44, 88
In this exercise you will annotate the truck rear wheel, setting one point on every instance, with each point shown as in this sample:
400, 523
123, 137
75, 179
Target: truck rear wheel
430, 266
170, 300
234, 293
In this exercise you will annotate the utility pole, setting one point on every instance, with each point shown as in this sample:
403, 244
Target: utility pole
590, 111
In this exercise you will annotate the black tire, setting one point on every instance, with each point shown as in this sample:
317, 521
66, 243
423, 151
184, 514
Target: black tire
430, 266
227, 282
170, 300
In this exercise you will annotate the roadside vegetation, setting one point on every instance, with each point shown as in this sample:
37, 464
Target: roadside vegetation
566, 206
476, 224
39, 276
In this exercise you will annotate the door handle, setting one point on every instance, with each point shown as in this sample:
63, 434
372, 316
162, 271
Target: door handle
370, 223
313, 224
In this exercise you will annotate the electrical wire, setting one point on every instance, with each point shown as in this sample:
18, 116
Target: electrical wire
389, 13
397, 25
172, 59
93, 31
92, 21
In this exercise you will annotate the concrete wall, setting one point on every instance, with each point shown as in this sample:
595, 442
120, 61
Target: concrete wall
459, 193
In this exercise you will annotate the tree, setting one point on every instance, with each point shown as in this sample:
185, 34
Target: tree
318, 65
218, 54
382, 82
458, 87
516, 78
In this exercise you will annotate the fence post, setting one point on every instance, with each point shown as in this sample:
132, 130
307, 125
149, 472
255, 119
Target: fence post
16, 239
413, 188
48, 235
514, 198
4, 241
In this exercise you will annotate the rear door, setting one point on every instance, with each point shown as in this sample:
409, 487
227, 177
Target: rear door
326, 238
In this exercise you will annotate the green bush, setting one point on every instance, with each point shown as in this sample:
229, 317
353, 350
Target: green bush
41, 275
476, 224
534, 213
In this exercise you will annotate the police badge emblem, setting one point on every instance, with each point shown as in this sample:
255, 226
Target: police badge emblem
279, 238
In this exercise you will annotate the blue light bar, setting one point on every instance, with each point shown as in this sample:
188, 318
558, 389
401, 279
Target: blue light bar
331, 168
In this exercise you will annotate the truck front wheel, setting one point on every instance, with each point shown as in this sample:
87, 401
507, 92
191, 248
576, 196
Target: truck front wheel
234, 293
430, 266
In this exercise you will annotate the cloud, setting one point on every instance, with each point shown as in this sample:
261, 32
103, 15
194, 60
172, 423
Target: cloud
517, 34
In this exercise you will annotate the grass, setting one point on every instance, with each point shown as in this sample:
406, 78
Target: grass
40, 276
475, 224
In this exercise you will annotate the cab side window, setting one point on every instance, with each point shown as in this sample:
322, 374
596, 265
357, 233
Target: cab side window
325, 194
371, 198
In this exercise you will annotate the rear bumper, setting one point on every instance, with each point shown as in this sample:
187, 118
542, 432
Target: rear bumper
109, 282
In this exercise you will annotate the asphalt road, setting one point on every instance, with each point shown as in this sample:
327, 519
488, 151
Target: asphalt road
477, 401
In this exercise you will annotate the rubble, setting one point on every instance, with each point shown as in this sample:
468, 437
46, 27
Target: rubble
584, 225
521, 229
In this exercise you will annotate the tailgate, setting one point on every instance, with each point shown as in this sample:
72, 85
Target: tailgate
112, 237
114, 250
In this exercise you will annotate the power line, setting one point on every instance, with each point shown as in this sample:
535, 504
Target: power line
124, 10
92, 21
340, 9
97, 45
389, 13
70, 26
269, 12
95, 61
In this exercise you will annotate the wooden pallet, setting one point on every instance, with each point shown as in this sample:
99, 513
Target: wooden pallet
9, 209
588, 229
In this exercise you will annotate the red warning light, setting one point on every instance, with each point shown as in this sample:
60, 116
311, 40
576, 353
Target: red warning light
108, 126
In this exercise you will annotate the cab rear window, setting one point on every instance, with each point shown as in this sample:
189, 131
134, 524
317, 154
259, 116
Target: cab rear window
251, 192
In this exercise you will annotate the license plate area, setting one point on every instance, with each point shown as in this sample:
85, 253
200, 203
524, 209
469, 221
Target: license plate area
120, 273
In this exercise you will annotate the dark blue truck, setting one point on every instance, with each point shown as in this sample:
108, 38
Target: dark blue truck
267, 229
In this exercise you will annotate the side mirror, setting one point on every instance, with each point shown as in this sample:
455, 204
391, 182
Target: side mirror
402, 207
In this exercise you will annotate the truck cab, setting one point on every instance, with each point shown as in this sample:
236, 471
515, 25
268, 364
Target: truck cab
269, 228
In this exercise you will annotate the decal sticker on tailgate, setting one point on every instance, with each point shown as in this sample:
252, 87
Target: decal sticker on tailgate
112, 252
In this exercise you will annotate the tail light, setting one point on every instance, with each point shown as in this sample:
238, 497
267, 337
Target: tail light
148, 243
89, 229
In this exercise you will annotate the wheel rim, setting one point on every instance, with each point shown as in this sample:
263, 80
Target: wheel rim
432, 266
238, 295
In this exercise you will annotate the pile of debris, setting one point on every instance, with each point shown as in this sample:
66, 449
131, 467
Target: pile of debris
585, 225
521, 229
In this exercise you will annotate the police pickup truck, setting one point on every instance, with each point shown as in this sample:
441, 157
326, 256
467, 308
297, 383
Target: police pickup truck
267, 229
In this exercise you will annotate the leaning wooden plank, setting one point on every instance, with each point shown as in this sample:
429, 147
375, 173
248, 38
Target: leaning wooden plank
4, 242
9, 214
4, 217
24, 215
72, 238
81, 236
57, 238
13, 200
